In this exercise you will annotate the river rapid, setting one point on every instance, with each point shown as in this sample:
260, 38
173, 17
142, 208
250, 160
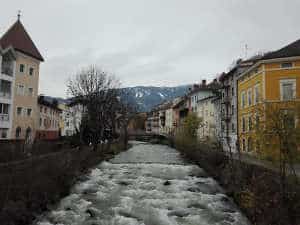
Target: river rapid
146, 185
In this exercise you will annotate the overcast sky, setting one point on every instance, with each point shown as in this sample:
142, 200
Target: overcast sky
150, 42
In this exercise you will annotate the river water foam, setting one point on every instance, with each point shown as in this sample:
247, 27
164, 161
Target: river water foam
146, 185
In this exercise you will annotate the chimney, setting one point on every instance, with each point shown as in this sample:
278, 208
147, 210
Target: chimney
203, 82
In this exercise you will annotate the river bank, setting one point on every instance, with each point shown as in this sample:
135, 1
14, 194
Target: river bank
148, 184
254, 188
30, 186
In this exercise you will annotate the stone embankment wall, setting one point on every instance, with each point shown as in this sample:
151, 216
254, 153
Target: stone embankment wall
29, 185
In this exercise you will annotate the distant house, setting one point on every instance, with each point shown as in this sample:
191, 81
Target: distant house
152, 122
180, 108
206, 111
48, 117
66, 120
228, 107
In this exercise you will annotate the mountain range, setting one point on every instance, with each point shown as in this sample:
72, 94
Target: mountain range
146, 97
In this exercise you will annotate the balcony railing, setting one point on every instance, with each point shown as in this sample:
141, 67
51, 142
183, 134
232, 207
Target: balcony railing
4, 117
7, 69
226, 117
6, 95
226, 100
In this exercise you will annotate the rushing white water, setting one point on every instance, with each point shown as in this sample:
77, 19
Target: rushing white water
147, 185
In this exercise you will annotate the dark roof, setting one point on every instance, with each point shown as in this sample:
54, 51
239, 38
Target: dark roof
18, 37
244, 64
290, 50
206, 98
50, 102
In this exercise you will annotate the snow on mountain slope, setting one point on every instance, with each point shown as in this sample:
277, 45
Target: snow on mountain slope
146, 97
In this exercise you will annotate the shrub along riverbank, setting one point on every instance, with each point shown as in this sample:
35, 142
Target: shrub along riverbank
28, 187
254, 188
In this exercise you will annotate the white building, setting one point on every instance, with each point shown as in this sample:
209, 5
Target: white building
76, 113
7, 82
202, 91
152, 122
206, 111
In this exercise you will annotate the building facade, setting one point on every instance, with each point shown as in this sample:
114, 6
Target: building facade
48, 119
206, 112
273, 80
228, 92
7, 82
25, 90
152, 122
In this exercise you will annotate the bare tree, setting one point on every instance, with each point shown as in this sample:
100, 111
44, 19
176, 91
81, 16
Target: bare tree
278, 136
97, 91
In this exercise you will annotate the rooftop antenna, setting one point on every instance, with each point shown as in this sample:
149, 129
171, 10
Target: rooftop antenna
246, 51
19, 14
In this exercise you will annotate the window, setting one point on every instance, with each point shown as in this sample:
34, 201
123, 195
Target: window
256, 94
289, 119
249, 97
45, 110
18, 132
232, 127
31, 71
3, 133
244, 145
22, 68
41, 108
249, 144
30, 91
20, 89
257, 123
41, 122
28, 133
29, 112
4, 108
232, 91
232, 109
19, 111
287, 89
243, 124
250, 123
243, 99
286, 65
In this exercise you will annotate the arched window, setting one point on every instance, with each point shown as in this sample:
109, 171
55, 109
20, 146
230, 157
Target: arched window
18, 132
28, 132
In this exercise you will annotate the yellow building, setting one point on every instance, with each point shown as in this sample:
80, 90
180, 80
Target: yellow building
273, 80
25, 93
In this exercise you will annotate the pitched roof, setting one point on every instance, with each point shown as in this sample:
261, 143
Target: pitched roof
290, 50
18, 37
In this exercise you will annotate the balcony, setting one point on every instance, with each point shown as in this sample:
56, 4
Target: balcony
6, 95
4, 117
5, 89
226, 117
7, 68
226, 100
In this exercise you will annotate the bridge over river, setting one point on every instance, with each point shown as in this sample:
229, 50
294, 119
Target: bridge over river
146, 185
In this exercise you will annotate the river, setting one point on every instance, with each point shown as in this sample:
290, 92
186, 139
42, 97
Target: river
146, 185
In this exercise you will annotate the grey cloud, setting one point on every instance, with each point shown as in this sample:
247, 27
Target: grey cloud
154, 42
